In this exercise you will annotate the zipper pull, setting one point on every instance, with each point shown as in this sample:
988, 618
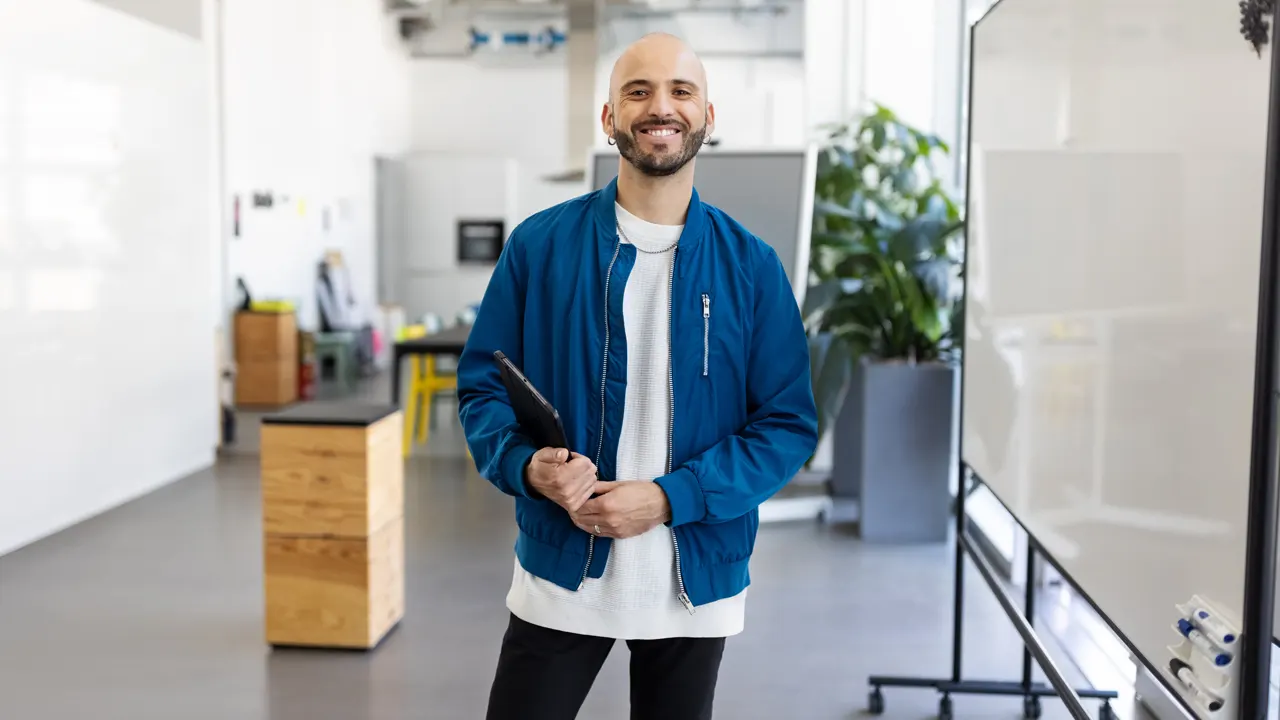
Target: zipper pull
706, 305
684, 598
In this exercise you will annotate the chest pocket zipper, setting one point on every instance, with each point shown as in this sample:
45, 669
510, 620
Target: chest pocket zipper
706, 332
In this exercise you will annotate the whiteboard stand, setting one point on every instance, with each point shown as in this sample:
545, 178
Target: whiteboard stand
1024, 622
1188, 666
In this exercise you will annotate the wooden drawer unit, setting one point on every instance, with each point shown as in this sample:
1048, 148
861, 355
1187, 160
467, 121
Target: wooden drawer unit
266, 336
333, 524
266, 353
334, 592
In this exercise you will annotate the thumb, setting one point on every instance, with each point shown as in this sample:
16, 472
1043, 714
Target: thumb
603, 486
552, 455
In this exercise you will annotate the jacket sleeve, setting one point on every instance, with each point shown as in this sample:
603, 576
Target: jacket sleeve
500, 451
741, 471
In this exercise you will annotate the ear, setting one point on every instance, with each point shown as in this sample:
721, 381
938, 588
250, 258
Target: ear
711, 119
606, 119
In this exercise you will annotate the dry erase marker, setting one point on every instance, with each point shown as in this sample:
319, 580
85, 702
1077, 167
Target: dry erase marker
1183, 672
1212, 626
1198, 639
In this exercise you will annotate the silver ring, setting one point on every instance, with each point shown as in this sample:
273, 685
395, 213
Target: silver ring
597, 529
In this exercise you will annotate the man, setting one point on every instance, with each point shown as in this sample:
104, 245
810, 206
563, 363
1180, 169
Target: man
668, 338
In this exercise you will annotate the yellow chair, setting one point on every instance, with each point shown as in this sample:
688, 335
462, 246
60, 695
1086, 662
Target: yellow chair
424, 383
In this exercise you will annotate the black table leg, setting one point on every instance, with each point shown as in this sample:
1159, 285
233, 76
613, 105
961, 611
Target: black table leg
396, 356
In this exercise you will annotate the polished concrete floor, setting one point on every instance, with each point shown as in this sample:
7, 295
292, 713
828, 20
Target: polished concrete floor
153, 611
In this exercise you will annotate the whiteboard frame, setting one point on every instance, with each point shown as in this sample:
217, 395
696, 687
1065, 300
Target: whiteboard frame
804, 237
1261, 534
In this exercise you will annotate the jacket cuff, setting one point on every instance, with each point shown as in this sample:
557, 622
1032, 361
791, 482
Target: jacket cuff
513, 464
684, 494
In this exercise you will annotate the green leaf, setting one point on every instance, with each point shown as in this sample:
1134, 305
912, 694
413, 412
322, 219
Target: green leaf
831, 367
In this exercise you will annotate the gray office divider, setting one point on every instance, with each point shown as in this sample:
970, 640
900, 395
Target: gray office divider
768, 190
1120, 350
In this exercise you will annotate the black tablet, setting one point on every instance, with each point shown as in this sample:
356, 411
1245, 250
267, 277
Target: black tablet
539, 421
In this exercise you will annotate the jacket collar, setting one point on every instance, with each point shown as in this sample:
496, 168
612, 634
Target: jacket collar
607, 217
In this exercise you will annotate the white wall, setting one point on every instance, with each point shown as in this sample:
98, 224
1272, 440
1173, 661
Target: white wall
759, 101
314, 90
105, 186
904, 54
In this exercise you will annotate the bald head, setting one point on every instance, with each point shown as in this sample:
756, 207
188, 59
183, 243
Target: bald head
658, 113
654, 52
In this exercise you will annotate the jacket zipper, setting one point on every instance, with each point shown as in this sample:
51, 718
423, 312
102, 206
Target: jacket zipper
604, 374
706, 331
682, 596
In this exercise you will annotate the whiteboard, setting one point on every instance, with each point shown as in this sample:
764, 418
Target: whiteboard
768, 190
108, 278
1115, 223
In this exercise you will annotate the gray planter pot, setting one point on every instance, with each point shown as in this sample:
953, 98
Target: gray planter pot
893, 450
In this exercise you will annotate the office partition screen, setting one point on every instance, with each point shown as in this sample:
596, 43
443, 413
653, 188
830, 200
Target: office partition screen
769, 191
1117, 183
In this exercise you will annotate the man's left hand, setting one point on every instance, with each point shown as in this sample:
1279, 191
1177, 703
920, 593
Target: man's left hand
623, 509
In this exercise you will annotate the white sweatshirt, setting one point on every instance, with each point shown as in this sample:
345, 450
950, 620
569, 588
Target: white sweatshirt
636, 597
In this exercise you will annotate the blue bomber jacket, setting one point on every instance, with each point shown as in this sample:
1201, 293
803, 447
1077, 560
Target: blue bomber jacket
743, 414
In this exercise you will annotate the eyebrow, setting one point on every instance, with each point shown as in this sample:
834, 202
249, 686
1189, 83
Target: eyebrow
649, 83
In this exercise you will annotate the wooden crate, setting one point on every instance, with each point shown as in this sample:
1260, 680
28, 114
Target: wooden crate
266, 383
266, 353
331, 480
333, 524
266, 336
338, 592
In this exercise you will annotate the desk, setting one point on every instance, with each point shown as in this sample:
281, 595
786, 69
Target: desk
450, 341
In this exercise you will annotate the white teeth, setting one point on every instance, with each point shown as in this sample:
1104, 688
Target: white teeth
662, 132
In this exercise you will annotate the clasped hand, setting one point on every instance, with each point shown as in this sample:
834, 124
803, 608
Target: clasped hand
618, 510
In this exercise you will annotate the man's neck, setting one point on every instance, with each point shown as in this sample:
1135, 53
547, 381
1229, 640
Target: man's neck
659, 200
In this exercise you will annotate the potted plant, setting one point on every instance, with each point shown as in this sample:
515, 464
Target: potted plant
882, 312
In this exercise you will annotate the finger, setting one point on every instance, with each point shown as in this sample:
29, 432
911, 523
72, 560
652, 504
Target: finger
551, 456
604, 486
584, 494
580, 466
592, 528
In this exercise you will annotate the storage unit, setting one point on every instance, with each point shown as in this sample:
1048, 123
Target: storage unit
333, 523
266, 358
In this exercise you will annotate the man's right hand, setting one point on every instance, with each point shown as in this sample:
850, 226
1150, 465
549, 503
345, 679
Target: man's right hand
565, 478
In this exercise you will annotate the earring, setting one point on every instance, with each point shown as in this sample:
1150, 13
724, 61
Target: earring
706, 140
611, 141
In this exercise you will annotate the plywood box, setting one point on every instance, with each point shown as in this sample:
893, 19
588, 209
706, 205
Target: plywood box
266, 383
345, 480
334, 591
266, 336
333, 524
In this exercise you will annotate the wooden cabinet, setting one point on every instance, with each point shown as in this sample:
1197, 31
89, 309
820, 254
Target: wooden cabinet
266, 351
333, 524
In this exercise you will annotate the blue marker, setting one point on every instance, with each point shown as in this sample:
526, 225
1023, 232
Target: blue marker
1198, 639
1209, 625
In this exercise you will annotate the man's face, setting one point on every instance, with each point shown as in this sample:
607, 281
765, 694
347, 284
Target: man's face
659, 115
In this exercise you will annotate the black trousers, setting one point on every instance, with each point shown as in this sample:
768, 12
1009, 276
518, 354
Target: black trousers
546, 674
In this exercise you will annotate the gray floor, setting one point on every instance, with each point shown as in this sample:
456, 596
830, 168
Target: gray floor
153, 610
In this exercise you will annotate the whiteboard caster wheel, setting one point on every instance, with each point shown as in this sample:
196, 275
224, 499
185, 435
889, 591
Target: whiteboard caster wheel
875, 703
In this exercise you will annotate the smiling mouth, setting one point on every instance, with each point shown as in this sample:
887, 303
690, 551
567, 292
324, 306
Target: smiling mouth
660, 132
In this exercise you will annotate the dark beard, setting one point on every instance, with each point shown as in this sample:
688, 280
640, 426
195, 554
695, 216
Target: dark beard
661, 165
